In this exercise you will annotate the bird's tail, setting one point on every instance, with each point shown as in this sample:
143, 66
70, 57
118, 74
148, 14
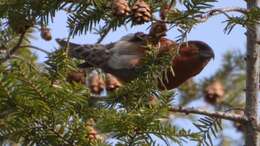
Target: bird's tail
94, 54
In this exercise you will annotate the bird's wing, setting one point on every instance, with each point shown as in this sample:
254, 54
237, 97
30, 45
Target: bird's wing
126, 53
118, 58
93, 54
123, 54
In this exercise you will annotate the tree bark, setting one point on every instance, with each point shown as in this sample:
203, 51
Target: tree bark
252, 81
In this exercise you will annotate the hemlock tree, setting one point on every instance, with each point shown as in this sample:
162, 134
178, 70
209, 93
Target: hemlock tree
51, 104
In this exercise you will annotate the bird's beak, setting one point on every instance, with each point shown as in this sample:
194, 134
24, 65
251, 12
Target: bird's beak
206, 53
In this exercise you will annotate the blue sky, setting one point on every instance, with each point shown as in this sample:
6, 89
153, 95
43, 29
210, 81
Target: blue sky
210, 32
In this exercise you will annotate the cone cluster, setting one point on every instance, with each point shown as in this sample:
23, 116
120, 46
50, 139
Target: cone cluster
78, 76
46, 33
141, 12
91, 132
214, 92
112, 82
158, 30
96, 83
120, 8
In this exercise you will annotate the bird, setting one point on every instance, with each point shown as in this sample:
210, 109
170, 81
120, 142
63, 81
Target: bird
122, 57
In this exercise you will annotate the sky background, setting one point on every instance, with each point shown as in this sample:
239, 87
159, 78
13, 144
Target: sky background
210, 32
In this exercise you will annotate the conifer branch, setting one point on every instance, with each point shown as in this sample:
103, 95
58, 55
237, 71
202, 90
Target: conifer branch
213, 12
3, 114
104, 34
222, 115
35, 48
54, 132
215, 114
14, 49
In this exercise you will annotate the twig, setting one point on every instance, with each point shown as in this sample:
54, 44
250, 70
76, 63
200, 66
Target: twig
53, 131
14, 49
67, 10
4, 113
172, 3
224, 11
222, 115
206, 15
68, 41
24, 60
36, 48
104, 34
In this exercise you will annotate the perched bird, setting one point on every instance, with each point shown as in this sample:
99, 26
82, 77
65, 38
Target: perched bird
121, 58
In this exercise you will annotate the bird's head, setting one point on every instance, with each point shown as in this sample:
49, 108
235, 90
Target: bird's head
195, 53
190, 53
193, 56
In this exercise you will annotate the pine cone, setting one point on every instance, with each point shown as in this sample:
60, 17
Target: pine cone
78, 76
120, 8
92, 133
96, 83
157, 31
46, 34
141, 12
152, 100
214, 92
112, 82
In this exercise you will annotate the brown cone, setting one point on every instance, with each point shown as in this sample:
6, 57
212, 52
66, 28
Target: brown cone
120, 8
112, 83
214, 92
96, 83
141, 12
157, 31
78, 76
92, 133
46, 34
152, 100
